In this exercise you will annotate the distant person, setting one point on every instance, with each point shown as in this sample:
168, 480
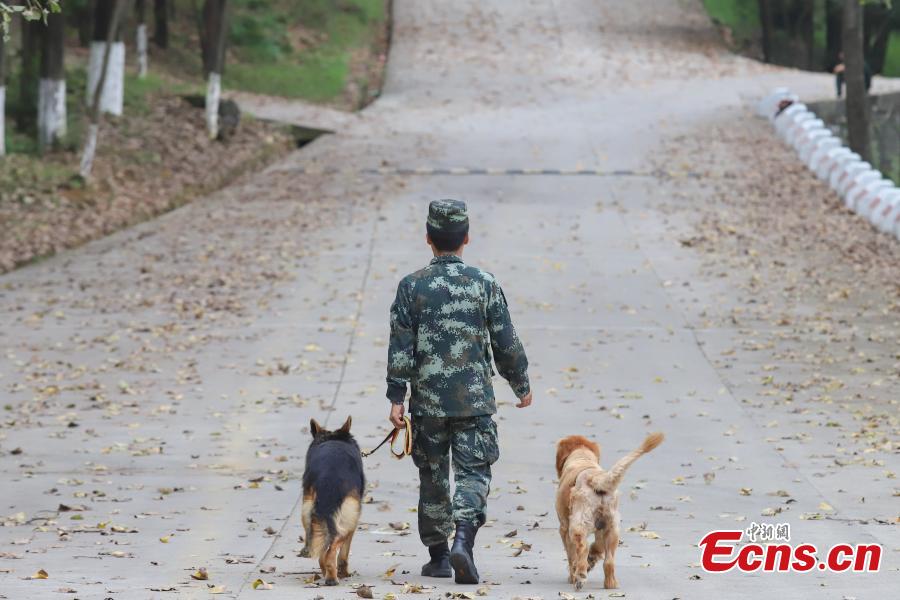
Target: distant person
839, 75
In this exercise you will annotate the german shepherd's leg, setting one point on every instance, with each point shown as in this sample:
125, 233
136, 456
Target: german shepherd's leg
322, 568
610, 543
330, 561
306, 518
344, 557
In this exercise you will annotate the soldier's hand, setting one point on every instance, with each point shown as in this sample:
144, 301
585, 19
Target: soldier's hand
524, 401
396, 417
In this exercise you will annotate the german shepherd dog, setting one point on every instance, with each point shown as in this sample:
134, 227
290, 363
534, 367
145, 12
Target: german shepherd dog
333, 485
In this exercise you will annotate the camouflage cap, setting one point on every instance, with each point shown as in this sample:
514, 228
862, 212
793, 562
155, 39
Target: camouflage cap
448, 215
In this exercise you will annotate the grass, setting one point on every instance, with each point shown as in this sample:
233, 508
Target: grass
318, 78
285, 48
22, 176
742, 17
263, 37
892, 60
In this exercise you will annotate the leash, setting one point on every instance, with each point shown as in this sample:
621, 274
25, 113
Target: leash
406, 450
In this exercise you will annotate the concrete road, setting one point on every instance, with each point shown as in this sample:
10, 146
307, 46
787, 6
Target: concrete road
158, 383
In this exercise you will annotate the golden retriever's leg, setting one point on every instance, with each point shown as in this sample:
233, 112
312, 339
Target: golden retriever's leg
344, 557
564, 534
331, 561
611, 542
579, 549
596, 551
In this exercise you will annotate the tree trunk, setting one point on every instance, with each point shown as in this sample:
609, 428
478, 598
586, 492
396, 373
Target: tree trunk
52, 88
213, 33
26, 112
80, 18
854, 76
112, 96
877, 32
807, 31
161, 23
93, 132
141, 38
833, 11
765, 22
2, 96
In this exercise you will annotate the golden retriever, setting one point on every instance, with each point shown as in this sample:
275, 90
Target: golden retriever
587, 502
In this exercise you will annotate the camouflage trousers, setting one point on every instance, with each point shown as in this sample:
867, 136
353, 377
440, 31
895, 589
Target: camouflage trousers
473, 444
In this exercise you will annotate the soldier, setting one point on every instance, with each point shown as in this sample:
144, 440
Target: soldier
446, 321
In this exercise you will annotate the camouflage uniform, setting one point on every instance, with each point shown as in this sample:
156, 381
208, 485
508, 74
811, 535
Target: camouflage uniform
446, 322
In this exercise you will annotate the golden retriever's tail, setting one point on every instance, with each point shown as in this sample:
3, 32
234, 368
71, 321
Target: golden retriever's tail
615, 474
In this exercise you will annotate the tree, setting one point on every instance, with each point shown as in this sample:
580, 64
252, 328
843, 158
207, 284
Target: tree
161, 23
29, 10
765, 21
854, 76
94, 113
112, 94
807, 15
833, 24
79, 16
2, 95
213, 33
29, 74
141, 38
877, 21
52, 87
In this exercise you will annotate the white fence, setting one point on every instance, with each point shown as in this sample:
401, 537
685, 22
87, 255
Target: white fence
863, 188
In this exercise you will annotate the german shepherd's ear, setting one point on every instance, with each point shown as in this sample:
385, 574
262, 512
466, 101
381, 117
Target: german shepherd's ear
345, 428
314, 427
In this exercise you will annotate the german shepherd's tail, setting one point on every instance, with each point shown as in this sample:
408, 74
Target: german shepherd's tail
610, 480
335, 524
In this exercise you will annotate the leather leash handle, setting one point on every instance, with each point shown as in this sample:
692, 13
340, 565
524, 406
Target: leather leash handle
392, 436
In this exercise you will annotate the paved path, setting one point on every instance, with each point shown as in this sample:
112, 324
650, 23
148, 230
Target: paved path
158, 383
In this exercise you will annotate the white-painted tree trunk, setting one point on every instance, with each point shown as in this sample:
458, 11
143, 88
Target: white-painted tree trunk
213, 96
142, 50
51, 111
112, 97
2, 120
90, 148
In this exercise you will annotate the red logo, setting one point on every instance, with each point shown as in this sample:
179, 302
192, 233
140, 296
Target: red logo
721, 552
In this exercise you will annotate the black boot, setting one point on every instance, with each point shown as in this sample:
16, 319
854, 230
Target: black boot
461, 557
439, 565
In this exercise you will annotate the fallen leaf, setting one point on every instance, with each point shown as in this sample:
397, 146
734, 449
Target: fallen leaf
200, 575
364, 591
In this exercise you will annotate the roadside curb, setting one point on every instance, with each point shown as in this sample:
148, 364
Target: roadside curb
863, 188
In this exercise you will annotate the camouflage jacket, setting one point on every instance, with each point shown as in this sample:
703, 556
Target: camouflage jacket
445, 322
